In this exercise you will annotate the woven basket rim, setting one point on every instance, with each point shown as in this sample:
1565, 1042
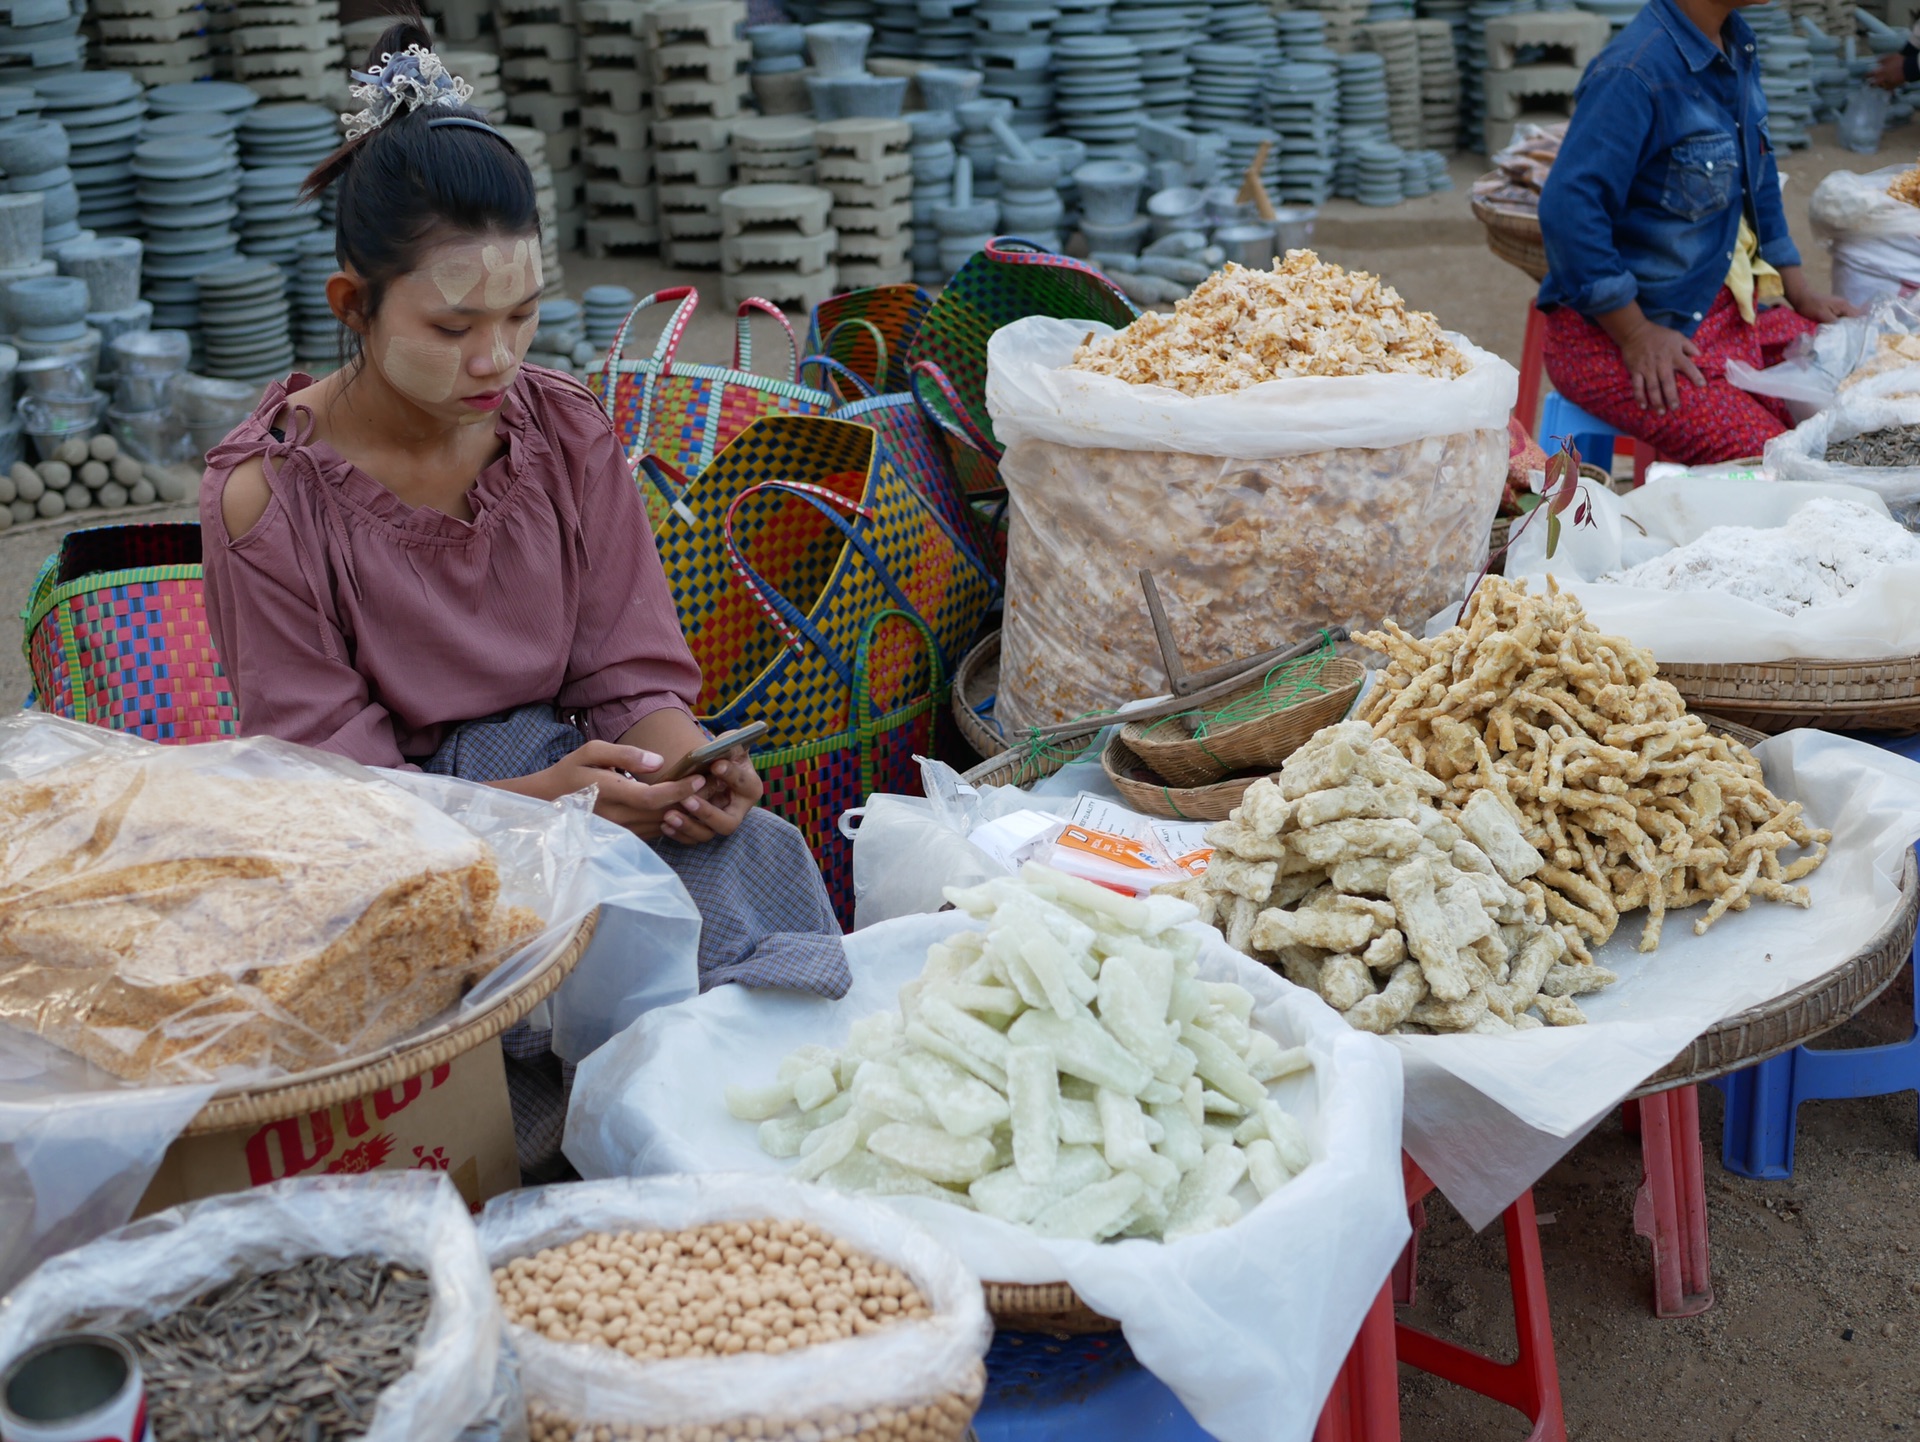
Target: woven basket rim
1886, 667
1043, 1307
1190, 751
252, 1103
1117, 754
1811, 1008
981, 736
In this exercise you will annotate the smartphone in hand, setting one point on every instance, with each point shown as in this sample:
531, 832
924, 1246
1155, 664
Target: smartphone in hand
702, 758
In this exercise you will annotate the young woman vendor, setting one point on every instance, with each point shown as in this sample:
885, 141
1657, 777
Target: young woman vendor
436, 557
1667, 244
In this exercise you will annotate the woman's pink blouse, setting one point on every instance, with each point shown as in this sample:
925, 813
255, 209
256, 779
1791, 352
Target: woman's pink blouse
350, 621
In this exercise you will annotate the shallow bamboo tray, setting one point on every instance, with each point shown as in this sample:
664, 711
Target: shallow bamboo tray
1020, 767
977, 680
256, 1103
1148, 793
1052, 1307
1776, 696
1818, 1006
1259, 743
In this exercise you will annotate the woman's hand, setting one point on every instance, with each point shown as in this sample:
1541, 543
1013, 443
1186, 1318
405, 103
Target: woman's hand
642, 807
718, 811
1656, 358
1889, 73
1816, 306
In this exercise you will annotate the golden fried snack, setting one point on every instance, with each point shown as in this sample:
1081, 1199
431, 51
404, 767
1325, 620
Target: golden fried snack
1557, 742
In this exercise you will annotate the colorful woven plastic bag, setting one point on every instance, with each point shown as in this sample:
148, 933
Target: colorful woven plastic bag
870, 331
116, 635
899, 697
1007, 281
682, 413
798, 535
914, 445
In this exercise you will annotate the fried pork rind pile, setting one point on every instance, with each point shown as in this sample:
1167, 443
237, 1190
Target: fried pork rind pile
1906, 186
1632, 803
1343, 875
1305, 317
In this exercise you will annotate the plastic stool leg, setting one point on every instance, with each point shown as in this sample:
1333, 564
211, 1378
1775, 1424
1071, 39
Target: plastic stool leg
1533, 368
1364, 1405
1756, 1134
1670, 1209
1405, 1279
1643, 456
1531, 1382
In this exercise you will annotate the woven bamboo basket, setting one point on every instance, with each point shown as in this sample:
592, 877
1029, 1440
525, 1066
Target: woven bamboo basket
1776, 696
974, 684
255, 1104
1258, 745
1514, 237
1053, 1307
1805, 1012
1022, 767
1146, 792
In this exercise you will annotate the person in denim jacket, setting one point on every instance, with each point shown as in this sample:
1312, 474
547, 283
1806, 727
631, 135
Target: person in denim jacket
1667, 246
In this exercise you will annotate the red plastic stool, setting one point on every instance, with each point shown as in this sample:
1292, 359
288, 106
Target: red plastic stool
1364, 1405
1670, 1209
1530, 1384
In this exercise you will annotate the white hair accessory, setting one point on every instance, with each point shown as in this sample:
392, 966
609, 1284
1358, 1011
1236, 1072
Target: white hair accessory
402, 83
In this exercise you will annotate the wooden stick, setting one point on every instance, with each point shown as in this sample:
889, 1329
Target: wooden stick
1163, 633
1252, 188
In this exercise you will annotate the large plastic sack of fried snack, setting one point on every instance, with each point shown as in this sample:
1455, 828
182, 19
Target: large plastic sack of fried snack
174, 920
1003, 1147
330, 1306
619, 1366
1873, 232
1767, 570
1289, 451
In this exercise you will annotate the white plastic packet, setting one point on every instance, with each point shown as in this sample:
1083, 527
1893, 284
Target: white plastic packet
1248, 1324
1881, 618
415, 1219
1889, 399
1818, 366
910, 1364
1262, 515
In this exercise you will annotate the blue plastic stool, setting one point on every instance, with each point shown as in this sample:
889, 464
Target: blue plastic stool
1560, 417
1042, 1389
1763, 1101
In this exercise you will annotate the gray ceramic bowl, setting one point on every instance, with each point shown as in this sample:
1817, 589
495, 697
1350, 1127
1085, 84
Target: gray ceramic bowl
52, 300
27, 146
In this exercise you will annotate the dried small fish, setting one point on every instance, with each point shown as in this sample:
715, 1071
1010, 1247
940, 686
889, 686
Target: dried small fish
1893, 446
300, 1354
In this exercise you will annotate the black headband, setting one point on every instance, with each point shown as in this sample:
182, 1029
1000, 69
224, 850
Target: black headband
469, 123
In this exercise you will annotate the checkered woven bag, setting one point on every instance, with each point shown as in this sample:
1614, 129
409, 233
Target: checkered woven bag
796, 536
899, 696
116, 635
871, 331
1009, 280
683, 413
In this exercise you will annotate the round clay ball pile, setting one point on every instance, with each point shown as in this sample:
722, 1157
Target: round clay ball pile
712, 1291
81, 475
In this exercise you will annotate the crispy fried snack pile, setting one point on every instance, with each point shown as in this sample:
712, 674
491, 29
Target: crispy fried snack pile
1906, 186
1305, 317
1630, 800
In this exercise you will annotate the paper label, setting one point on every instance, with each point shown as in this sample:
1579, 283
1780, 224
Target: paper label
1097, 813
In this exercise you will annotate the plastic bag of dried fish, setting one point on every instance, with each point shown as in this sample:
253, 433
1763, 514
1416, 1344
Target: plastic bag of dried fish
1263, 512
918, 1379
310, 1309
1880, 403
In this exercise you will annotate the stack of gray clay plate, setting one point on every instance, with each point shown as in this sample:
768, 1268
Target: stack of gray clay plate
1097, 90
101, 111
604, 309
279, 146
1379, 174
1397, 44
216, 97
773, 150
933, 158
559, 342
1300, 30
1012, 48
1082, 17
186, 186
318, 335
1164, 33
1226, 86
776, 243
1363, 91
158, 42
943, 32
244, 321
41, 38
1439, 85
1303, 109
287, 51
480, 69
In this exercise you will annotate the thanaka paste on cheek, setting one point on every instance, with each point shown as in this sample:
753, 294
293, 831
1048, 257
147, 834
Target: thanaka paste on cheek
423, 370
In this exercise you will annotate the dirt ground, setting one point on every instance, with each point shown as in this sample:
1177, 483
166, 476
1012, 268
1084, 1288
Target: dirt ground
1817, 1279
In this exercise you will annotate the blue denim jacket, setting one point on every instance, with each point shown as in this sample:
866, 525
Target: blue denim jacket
1668, 144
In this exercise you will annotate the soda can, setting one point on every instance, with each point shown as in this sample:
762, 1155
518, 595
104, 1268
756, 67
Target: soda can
82, 1387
